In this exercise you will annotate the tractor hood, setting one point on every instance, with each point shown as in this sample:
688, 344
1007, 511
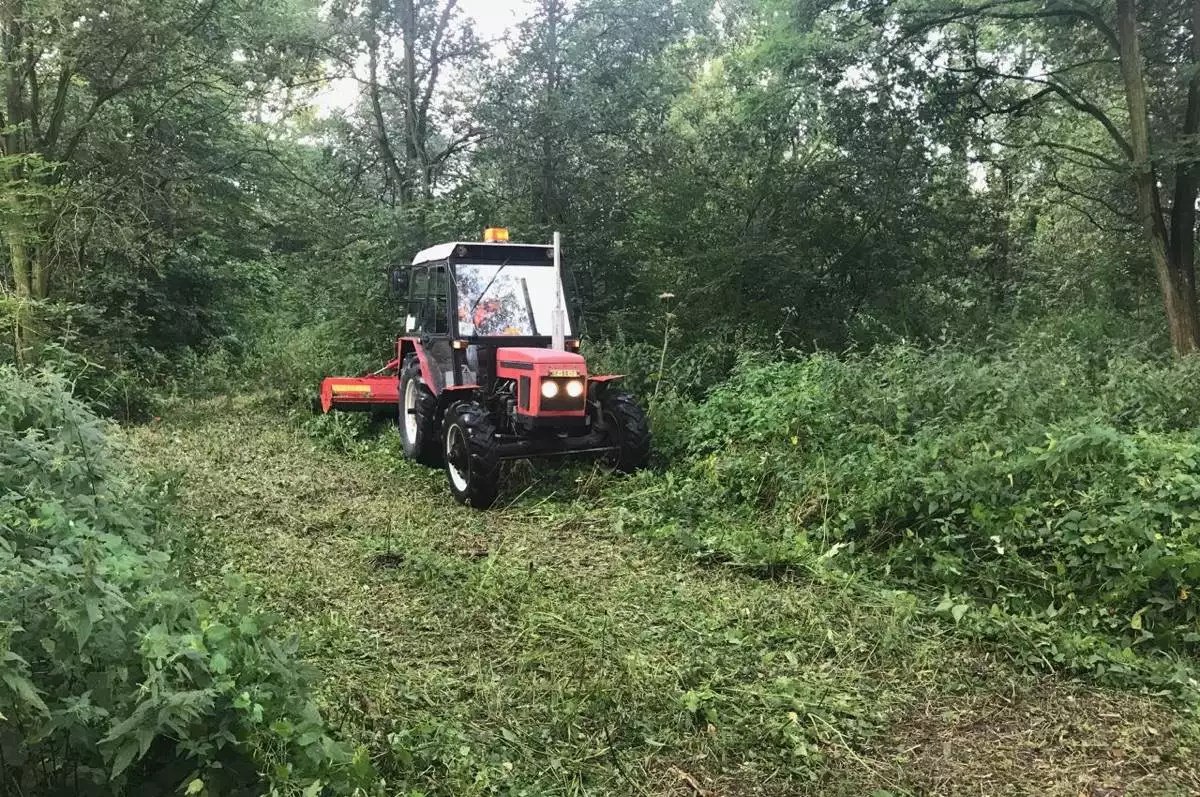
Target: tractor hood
550, 383
528, 359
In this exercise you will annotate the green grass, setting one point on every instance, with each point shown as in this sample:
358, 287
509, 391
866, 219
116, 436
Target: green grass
543, 650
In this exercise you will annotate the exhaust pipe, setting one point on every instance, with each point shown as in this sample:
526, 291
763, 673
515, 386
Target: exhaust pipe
558, 340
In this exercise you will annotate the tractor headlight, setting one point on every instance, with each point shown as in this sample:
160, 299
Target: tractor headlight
575, 388
549, 389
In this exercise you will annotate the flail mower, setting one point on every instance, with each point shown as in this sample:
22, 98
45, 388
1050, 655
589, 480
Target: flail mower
487, 369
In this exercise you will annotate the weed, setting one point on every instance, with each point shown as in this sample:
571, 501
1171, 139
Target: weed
1043, 497
115, 677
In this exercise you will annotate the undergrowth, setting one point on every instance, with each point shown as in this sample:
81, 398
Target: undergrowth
1042, 495
1045, 497
114, 677
542, 648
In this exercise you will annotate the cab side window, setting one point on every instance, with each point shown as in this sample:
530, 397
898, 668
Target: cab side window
429, 301
439, 301
417, 294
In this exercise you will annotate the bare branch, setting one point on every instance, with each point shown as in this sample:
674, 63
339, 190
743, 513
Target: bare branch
435, 59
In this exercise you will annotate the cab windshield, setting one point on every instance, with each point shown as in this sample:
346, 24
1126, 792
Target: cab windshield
496, 300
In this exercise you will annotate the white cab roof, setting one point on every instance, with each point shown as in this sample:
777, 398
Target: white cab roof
443, 251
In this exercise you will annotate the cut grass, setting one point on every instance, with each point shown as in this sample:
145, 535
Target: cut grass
539, 650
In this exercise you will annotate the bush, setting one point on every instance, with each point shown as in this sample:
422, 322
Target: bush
1043, 482
114, 677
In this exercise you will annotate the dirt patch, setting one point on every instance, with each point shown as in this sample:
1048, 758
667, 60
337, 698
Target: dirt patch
1048, 738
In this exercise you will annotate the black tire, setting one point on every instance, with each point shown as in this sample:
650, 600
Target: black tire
628, 429
419, 439
471, 455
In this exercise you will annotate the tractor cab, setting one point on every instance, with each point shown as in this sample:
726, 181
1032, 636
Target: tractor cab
464, 301
487, 369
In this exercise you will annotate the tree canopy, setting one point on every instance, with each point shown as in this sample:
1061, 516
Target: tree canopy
794, 173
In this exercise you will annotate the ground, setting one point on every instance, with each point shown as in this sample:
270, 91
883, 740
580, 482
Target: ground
540, 649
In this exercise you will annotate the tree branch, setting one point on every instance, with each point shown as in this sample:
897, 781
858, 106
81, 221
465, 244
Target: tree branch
392, 176
59, 109
1115, 210
1101, 161
993, 11
1082, 211
435, 60
1063, 93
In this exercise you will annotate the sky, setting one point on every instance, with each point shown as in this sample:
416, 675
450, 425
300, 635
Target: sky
492, 19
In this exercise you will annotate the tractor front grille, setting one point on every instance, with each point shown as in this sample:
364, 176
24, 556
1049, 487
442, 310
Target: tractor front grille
562, 402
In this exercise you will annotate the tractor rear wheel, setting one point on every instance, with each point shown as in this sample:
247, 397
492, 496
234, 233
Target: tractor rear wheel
628, 430
417, 421
472, 456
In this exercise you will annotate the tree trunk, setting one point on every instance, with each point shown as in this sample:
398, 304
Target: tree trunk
549, 211
1176, 278
18, 256
39, 273
413, 146
1183, 207
393, 179
15, 233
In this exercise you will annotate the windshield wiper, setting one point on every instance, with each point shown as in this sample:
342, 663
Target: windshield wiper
529, 307
471, 312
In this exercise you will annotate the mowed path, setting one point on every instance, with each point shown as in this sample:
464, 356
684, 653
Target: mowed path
540, 649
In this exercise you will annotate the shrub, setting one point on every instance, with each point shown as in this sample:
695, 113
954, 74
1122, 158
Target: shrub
1037, 481
114, 678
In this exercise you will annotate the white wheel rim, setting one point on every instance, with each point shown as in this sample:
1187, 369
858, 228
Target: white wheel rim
457, 477
410, 411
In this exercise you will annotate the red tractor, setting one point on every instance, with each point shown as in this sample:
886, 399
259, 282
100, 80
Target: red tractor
488, 370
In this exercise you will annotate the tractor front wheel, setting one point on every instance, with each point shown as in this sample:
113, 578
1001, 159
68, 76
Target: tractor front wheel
471, 454
628, 431
418, 430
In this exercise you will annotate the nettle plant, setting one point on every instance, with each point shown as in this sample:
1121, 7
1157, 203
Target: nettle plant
114, 677
1042, 481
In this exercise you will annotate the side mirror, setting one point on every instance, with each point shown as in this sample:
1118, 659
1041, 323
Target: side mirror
400, 276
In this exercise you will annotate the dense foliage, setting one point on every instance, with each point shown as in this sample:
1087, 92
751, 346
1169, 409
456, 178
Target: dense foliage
1042, 482
114, 678
794, 174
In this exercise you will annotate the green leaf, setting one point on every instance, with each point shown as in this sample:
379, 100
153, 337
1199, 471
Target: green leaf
218, 663
195, 787
26, 691
1135, 622
124, 757
83, 631
958, 611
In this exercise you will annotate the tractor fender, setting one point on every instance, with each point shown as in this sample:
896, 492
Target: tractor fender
599, 385
453, 393
407, 346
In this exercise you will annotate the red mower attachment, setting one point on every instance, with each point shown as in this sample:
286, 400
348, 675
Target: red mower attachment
367, 393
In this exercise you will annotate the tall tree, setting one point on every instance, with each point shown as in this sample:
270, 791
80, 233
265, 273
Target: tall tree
411, 49
76, 70
1137, 81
